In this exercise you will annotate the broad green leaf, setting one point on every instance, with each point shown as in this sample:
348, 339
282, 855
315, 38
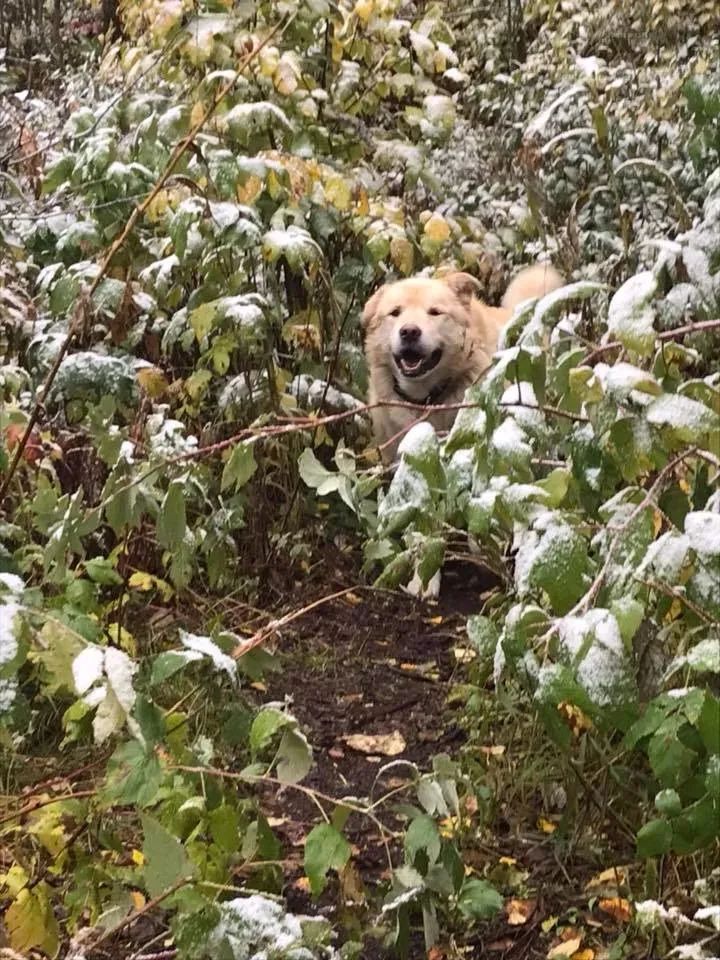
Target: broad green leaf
166, 861
668, 803
479, 900
325, 849
172, 521
422, 835
265, 725
294, 757
690, 420
239, 467
654, 838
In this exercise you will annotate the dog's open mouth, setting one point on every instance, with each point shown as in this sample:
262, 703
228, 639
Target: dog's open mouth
412, 363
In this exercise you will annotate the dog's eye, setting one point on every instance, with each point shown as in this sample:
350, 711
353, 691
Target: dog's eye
434, 312
395, 312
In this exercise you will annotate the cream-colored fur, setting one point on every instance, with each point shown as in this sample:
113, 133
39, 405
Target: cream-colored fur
453, 333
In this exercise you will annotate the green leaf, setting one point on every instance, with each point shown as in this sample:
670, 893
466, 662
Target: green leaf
224, 822
239, 468
312, 472
165, 859
629, 614
672, 762
654, 838
172, 522
294, 756
668, 803
265, 725
102, 571
712, 776
479, 900
325, 849
422, 834
708, 723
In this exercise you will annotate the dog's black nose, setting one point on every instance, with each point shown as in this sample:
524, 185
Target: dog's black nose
409, 334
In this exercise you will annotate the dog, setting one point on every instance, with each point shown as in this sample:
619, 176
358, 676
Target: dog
427, 341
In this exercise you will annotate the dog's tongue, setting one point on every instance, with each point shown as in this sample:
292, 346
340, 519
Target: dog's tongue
410, 366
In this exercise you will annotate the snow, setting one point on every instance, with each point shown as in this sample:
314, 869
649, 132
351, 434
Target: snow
509, 441
420, 441
538, 126
630, 315
87, 668
205, 646
13, 584
703, 529
8, 640
256, 928
621, 379
594, 643
666, 556
256, 116
689, 417
711, 913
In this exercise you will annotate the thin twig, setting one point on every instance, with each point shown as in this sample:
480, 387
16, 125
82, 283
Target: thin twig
677, 334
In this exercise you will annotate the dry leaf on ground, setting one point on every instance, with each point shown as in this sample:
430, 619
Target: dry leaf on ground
387, 744
565, 949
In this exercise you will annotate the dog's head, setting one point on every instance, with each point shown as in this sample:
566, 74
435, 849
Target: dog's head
418, 328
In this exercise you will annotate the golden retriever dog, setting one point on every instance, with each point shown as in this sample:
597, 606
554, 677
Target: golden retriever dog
427, 341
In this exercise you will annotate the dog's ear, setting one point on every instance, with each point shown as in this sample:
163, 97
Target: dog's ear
464, 286
370, 309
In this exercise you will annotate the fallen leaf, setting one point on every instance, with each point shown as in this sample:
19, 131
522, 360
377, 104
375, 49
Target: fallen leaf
547, 826
435, 621
302, 883
435, 953
610, 878
547, 925
259, 685
518, 912
565, 949
352, 598
616, 907
498, 946
351, 885
138, 900
464, 654
509, 861
574, 718
584, 955
493, 750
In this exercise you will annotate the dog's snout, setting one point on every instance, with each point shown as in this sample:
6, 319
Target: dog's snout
410, 333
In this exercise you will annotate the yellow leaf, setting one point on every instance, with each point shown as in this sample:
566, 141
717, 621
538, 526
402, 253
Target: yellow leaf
157, 207
138, 857
547, 826
259, 685
337, 192
508, 861
248, 191
364, 9
197, 113
402, 254
608, 878
584, 955
30, 922
362, 205
674, 610
565, 949
153, 382
437, 229
269, 59
657, 522
547, 925
138, 900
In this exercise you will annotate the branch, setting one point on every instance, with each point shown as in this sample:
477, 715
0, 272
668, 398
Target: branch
676, 334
